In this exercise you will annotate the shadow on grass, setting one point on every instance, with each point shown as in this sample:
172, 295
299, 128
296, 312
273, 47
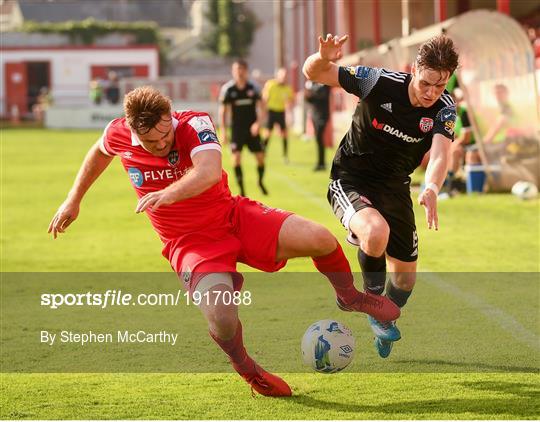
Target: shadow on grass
523, 390
526, 404
469, 367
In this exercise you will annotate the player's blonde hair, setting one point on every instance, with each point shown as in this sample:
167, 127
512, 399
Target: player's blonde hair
144, 108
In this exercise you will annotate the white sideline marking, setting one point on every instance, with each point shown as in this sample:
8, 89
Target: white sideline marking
504, 320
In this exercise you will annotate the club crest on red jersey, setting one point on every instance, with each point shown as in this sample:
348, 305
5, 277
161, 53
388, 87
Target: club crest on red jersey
186, 275
172, 158
426, 124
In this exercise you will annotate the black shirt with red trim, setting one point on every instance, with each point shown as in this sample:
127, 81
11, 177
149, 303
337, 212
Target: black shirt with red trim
388, 136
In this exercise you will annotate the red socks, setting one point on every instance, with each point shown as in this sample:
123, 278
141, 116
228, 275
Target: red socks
337, 269
233, 347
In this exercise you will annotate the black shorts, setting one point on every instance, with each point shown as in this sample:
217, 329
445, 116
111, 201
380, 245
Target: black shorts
347, 198
253, 143
276, 117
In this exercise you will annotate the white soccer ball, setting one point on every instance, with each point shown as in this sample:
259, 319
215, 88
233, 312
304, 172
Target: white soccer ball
525, 190
328, 346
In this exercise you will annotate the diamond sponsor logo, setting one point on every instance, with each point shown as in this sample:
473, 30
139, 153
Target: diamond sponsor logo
394, 132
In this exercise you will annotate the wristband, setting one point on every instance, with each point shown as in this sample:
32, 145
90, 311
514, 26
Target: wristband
432, 186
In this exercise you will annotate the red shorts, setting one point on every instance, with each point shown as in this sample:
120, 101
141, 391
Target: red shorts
251, 238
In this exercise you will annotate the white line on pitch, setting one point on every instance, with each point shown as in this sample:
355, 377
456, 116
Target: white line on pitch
504, 320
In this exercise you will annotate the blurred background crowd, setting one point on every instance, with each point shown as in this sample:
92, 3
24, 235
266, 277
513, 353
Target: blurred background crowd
68, 63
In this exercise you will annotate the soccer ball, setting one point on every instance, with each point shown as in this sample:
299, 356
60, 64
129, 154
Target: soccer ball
328, 346
525, 190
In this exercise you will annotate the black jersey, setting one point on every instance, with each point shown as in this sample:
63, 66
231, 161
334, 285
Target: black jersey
388, 136
318, 95
243, 104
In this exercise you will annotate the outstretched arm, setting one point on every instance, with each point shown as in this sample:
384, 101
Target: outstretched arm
223, 117
320, 67
93, 165
260, 109
501, 122
204, 174
435, 175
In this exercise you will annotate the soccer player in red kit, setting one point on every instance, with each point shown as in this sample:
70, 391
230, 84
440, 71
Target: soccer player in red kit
174, 162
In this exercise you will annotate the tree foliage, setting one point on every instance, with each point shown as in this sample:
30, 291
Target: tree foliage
233, 28
87, 31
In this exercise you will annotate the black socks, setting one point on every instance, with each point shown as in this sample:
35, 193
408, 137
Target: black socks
260, 171
396, 295
373, 272
240, 179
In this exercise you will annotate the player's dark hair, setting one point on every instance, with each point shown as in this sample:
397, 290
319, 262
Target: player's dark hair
144, 107
241, 63
438, 53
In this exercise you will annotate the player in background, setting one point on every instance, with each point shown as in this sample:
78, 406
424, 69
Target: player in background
400, 116
241, 99
173, 160
278, 97
318, 97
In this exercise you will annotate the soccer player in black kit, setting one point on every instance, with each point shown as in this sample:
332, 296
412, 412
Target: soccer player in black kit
400, 116
242, 98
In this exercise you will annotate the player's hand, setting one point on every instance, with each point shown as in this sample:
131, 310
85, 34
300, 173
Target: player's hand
330, 48
66, 214
224, 137
155, 200
254, 129
428, 199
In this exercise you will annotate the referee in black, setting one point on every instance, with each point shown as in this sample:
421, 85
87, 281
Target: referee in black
400, 116
242, 98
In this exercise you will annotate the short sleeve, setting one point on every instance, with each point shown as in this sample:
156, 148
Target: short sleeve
106, 144
266, 88
257, 92
201, 135
358, 80
224, 94
445, 122
290, 93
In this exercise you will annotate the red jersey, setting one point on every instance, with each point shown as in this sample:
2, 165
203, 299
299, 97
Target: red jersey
193, 132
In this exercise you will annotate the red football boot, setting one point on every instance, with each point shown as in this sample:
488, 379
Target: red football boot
379, 307
261, 381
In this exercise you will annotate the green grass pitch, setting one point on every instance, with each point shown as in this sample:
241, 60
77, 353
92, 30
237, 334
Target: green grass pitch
470, 350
